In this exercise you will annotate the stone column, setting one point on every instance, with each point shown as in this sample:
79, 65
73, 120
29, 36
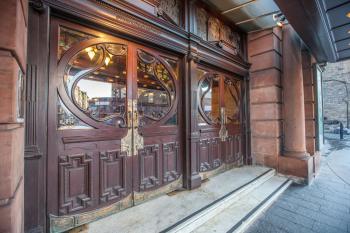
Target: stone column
13, 47
293, 93
294, 160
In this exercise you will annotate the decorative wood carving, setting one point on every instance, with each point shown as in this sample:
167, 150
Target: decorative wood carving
214, 25
212, 29
202, 22
225, 34
215, 149
112, 175
236, 41
75, 182
170, 161
31, 150
204, 151
229, 149
170, 9
149, 167
238, 150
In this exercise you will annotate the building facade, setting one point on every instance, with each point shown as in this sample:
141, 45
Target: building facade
336, 93
128, 100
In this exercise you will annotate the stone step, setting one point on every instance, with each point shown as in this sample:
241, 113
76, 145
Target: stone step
168, 213
239, 215
210, 211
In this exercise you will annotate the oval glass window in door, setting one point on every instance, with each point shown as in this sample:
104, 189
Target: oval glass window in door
155, 89
232, 97
209, 103
95, 80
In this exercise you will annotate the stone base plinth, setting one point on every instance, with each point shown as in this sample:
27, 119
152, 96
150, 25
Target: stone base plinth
302, 169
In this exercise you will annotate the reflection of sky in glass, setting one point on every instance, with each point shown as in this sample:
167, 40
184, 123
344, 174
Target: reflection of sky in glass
95, 89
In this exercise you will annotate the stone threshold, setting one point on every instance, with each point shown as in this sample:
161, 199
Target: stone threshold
185, 211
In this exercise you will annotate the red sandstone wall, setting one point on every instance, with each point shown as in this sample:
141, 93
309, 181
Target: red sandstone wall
13, 42
309, 101
265, 54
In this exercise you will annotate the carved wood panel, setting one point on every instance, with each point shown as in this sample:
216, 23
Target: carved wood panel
149, 162
75, 182
229, 149
213, 29
202, 22
237, 147
170, 10
113, 172
215, 149
204, 153
214, 25
170, 161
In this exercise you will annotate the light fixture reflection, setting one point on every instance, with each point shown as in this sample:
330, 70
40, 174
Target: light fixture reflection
107, 60
90, 52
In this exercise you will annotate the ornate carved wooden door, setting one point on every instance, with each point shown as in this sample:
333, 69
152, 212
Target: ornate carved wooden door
113, 130
219, 121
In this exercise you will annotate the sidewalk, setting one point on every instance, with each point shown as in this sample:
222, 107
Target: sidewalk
321, 207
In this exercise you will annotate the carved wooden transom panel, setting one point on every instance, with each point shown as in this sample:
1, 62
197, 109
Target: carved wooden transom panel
172, 9
214, 29
202, 22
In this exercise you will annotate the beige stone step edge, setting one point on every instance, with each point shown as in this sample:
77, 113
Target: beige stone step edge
195, 220
254, 214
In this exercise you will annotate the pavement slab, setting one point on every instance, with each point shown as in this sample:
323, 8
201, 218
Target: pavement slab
322, 207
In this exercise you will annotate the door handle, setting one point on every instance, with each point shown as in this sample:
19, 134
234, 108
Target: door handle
128, 125
223, 134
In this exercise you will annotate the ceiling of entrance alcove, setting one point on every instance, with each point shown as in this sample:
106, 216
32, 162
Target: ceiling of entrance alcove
249, 15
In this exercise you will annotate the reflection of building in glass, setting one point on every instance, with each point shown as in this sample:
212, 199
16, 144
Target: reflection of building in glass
81, 98
101, 107
154, 103
65, 119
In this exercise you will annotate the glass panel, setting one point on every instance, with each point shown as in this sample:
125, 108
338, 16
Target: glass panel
67, 120
67, 37
209, 98
232, 100
172, 120
156, 89
96, 82
200, 119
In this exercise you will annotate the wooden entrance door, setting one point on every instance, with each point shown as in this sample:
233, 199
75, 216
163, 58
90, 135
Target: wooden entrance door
114, 128
218, 121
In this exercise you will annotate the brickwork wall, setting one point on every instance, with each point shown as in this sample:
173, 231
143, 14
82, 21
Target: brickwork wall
265, 54
13, 43
334, 93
